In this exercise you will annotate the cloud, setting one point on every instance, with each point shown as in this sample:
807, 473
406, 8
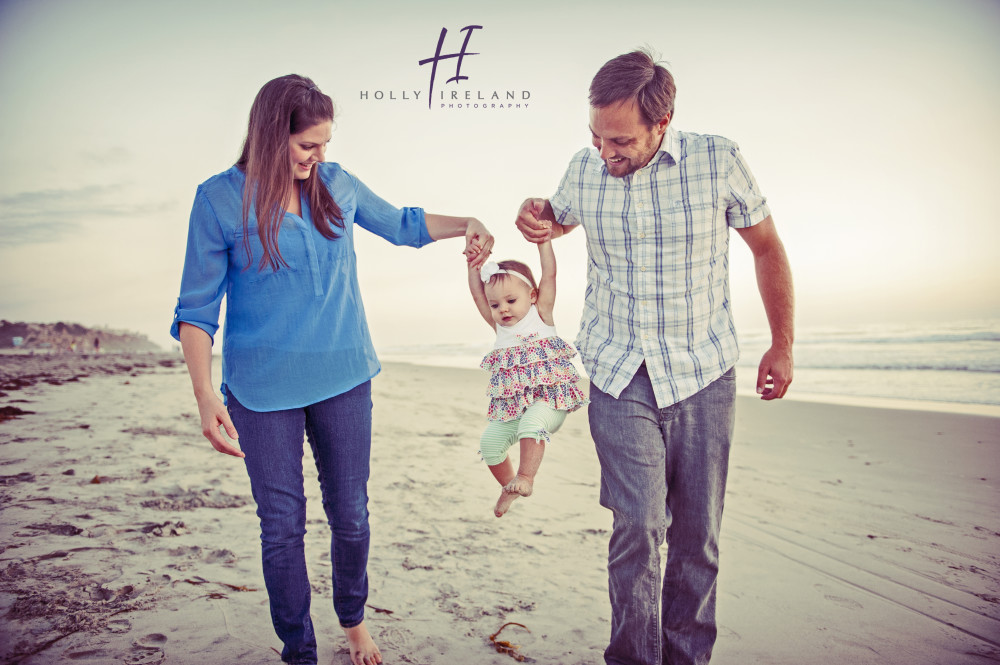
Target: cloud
116, 155
48, 215
23, 233
80, 195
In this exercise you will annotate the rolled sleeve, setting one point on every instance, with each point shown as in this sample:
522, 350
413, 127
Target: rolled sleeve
204, 281
747, 205
400, 226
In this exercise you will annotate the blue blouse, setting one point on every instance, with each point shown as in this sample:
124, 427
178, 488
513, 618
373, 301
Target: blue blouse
295, 336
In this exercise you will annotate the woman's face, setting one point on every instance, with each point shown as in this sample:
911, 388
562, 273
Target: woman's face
308, 147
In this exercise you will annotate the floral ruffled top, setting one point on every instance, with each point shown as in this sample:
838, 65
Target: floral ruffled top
530, 362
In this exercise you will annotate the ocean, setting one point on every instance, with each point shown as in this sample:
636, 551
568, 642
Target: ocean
955, 366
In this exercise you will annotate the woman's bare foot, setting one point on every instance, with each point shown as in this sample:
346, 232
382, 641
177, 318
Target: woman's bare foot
521, 485
362, 646
503, 503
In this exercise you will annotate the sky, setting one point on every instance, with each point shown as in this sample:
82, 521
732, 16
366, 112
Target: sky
872, 127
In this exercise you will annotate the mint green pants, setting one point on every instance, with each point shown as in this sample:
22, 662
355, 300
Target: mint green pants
537, 422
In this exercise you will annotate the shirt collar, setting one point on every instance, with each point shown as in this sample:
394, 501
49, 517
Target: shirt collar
670, 145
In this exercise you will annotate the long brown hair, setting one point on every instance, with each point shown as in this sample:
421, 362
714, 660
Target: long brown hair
284, 106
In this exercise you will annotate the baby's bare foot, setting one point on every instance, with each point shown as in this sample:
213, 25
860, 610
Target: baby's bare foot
521, 485
362, 646
503, 503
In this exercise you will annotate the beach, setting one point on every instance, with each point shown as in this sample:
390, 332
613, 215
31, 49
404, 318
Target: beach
851, 534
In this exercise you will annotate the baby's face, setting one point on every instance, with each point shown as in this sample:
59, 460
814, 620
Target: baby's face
509, 299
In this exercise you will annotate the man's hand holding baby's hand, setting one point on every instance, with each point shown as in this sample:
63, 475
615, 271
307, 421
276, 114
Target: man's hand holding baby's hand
530, 222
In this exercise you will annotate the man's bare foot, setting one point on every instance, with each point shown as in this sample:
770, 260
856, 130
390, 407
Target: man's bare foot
503, 503
362, 646
521, 485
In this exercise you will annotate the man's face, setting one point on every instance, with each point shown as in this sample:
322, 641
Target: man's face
625, 142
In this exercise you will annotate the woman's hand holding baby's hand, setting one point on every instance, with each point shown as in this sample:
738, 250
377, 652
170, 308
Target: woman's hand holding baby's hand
478, 243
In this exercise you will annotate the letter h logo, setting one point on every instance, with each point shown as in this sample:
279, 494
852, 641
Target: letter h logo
437, 57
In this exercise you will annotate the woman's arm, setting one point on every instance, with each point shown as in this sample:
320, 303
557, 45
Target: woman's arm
478, 240
407, 226
197, 347
478, 291
546, 300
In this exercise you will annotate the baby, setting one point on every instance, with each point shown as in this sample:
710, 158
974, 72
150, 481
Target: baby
533, 385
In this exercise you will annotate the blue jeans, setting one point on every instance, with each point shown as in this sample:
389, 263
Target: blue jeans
339, 432
663, 476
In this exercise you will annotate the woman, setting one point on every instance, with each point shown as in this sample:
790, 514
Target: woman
274, 234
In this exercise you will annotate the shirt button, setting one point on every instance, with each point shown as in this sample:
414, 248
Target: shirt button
642, 268
642, 235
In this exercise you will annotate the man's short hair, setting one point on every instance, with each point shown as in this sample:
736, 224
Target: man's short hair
637, 76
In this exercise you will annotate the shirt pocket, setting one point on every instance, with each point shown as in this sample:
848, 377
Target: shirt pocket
290, 244
696, 210
695, 224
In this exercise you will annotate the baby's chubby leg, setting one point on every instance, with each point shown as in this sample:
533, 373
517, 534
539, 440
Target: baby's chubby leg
494, 443
532, 451
538, 421
493, 446
522, 484
503, 472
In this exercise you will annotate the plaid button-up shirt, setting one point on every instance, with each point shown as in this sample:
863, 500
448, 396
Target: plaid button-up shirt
658, 275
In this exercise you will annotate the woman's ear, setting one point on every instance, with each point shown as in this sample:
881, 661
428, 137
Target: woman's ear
534, 296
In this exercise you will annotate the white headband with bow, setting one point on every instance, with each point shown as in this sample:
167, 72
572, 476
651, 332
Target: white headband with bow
491, 268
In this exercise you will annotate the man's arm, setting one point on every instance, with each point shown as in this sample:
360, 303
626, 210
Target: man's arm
537, 222
774, 280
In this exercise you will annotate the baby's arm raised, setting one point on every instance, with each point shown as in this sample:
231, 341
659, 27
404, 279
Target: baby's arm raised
546, 300
479, 295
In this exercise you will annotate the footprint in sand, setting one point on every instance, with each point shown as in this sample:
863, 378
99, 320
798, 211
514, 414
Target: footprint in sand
102, 655
119, 626
392, 638
838, 600
225, 557
844, 602
147, 650
153, 639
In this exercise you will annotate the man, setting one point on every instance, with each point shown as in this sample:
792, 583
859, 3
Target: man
658, 341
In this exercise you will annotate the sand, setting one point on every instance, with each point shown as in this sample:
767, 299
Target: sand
851, 535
